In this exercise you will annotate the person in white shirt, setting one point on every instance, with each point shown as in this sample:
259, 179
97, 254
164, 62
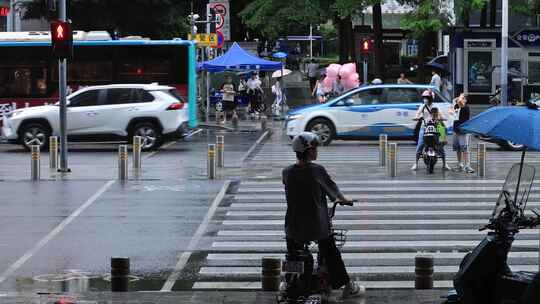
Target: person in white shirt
254, 91
436, 80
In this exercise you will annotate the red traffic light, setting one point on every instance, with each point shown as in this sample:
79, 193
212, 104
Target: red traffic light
366, 46
62, 39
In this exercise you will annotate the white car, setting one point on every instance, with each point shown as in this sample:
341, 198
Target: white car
367, 112
103, 113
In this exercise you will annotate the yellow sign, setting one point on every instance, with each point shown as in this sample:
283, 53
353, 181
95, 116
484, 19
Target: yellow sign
204, 40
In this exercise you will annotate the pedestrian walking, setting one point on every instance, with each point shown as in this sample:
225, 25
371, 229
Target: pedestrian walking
402, 79
254, 92
312, 69
318, 91
436, 80
462, 112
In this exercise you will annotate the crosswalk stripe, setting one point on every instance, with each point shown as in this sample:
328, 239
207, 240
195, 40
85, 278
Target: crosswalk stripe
352, 270
368, 284
388, 189
261, 213
250, 197
365, 255
281, 205
372, 244
390, 182
364, 222
365, 232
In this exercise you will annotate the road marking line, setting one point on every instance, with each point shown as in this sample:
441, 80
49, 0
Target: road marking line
283, 206
171, 280
280, 190
364, 255
376, 232
269, 197
15, 266
365, 222
254, 146
373, 244
151, 154
392, 182
367, 284
356, 270
261, 213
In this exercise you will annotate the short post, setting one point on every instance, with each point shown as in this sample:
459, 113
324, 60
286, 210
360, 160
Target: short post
481, 160
53, 152
383, 145
13, 106
137, 143
234, 120
423, 270
211, 161
220, 145
26, 104
392, 159
271, 272
122, 162
264, 122
119, 274
34, 163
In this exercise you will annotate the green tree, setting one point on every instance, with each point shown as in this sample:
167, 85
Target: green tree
150, 18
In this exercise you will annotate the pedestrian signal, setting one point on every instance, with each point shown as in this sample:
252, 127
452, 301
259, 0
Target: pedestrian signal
366, 46
62, 40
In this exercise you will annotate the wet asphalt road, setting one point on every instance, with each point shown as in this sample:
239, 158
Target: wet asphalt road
74, 223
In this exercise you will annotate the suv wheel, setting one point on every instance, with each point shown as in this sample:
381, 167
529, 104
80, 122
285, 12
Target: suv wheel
151, 136
34, 134
324, 128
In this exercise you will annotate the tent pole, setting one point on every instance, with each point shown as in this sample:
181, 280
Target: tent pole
519, 176
207, 116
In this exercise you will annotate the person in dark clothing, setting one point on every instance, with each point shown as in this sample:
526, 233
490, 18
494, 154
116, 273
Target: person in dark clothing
460, 145
306, 187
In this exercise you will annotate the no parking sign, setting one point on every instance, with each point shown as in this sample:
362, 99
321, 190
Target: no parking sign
222, 9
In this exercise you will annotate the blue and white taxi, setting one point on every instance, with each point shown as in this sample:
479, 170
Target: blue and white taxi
366, 112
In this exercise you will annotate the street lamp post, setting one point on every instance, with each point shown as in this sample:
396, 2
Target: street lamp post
504, 54
62, 77
310, 41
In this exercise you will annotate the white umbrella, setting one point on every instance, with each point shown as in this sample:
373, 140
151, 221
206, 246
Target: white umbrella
281, 73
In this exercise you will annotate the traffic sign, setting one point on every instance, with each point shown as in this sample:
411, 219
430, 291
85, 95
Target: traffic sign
204, 40
528, 38
220, 40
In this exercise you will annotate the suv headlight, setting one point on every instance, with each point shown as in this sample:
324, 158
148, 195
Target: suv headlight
295, 116
14, 114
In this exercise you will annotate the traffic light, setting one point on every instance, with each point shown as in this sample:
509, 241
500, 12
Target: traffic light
62, 39
212, 19
366, 47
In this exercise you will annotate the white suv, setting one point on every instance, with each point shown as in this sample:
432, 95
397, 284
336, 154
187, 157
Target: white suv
103, 113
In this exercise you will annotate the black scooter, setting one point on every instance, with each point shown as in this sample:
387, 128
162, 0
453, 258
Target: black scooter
430, 152
306, 282
484, 276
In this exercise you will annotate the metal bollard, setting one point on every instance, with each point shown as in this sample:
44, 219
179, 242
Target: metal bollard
481, 160
211, 161
34, 162
234, 120
13, 106
383, 145
26, 104
264, 122
423, 270
271, 273
122, 162
392, 160
119, 274
137, 144
53, 152
220, 145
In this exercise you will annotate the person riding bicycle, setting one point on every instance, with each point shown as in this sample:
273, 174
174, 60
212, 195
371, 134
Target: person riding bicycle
254, 92
306, 187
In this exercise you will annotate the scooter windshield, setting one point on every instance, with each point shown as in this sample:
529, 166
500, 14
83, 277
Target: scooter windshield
511, 187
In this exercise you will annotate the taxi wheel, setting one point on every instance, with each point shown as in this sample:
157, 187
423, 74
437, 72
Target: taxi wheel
324, 128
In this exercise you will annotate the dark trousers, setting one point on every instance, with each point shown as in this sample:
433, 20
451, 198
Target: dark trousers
312, 82
330, 256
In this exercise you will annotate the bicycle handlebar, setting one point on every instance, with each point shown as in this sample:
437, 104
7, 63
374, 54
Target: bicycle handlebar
347, 203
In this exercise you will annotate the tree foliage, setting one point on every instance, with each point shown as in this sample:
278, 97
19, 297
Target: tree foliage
151, 18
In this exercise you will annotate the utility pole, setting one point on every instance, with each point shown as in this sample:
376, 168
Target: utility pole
504, 54
310, 41
62, 78
11, 17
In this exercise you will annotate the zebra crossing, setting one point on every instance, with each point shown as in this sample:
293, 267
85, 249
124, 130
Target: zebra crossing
393, 220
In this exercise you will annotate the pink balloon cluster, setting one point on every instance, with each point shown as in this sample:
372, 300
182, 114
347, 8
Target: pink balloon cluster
347, 72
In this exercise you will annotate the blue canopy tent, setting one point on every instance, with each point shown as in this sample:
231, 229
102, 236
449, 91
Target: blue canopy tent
235, 59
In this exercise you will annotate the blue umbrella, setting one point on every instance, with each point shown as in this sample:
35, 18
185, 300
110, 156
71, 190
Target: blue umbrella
520, 125
440, 67
279, 55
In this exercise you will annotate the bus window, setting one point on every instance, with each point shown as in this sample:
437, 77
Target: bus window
23, 82
87, 72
